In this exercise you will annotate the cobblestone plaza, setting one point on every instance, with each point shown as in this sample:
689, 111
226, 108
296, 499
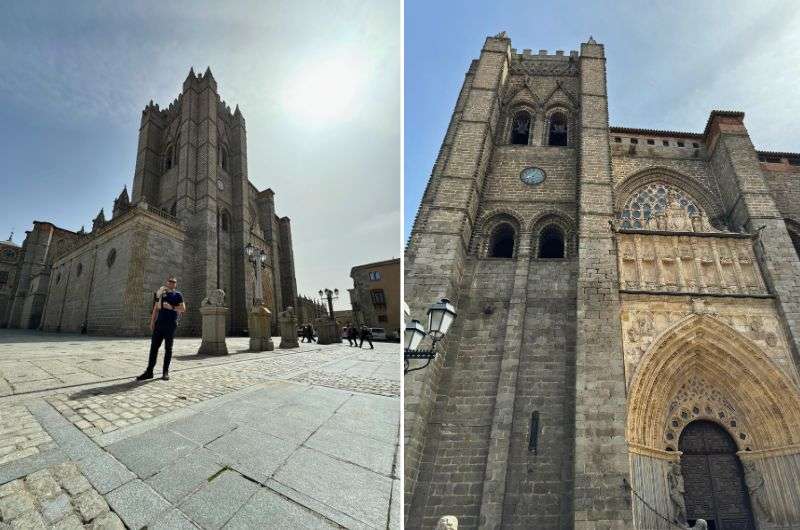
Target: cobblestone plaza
299, 438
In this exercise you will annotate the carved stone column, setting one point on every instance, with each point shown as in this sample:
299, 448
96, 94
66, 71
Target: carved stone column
214, 314
258, 324
288, 324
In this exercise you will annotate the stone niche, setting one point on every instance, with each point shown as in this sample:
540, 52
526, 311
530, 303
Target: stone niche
714, 264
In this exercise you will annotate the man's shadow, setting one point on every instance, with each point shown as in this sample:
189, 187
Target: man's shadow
109, 390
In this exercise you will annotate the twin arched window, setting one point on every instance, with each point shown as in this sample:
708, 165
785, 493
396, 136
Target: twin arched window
224, 221
558, 130
551, 243
521, 128
501, 244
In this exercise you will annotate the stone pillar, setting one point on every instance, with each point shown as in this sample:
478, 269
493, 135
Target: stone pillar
747, 197
601, 453
258, 325
436, 252
328, 331
288, 324
494, 481
214, 314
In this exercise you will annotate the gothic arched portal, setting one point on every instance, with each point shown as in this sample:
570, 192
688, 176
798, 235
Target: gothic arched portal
713, 478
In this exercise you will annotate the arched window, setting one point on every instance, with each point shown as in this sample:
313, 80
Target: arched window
173, 211
225, 221
795, 237
223, 158
551, 243
168, 158
521, 128
558, 130
501, 244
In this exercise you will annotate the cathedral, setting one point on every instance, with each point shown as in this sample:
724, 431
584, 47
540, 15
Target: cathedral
192, 213
625, 353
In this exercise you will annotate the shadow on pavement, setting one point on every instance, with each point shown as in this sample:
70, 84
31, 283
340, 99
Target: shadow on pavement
111, 389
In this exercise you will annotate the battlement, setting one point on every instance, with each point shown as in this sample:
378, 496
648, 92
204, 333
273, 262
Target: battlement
543, 54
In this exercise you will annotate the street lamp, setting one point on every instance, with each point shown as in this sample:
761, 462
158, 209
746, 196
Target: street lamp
440, 317
256, 257
331, 296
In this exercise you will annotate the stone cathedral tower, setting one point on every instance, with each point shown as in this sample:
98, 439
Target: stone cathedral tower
191, 213
629, 313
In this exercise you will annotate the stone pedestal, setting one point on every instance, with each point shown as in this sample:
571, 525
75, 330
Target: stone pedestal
258, 323
213, 330
328, 332
288, 324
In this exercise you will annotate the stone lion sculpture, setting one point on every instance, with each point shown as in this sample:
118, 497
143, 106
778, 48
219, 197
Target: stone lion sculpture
448, 522
215, 298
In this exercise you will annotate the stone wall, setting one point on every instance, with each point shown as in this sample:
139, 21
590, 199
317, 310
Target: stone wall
114, 296
454, 461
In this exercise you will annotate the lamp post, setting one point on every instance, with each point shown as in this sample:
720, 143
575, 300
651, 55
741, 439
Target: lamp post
440, 317
258, 258
331, 296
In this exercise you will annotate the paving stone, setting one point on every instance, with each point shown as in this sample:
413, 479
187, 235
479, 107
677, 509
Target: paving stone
89, 505
150, 452
136, 504
199, 429
107, 521
42, 485
267, 509
355, 491
105, 472
75, 484
29, 521
172, 520
53, 510
14, 505
255, 454
14, 486
214, 505
185, 475
70, 522
345, 445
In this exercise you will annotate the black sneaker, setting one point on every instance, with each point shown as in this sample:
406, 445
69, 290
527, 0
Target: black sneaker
165, 377
144, 377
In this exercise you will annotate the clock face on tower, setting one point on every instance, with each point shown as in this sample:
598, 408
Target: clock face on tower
220, 185
532, 175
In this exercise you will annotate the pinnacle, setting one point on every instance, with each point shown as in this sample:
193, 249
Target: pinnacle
591, 40
208, 73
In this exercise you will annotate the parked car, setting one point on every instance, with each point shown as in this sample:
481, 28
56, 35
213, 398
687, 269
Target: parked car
378, 333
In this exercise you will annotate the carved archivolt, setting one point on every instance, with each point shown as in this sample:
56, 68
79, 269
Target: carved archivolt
674, 375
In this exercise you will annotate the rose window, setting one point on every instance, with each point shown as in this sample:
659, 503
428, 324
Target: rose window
652, 200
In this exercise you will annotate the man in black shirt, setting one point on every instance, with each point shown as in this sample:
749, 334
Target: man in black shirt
167, 308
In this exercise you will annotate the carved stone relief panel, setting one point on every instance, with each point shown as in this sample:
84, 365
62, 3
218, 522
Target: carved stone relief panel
645, 317
688, 264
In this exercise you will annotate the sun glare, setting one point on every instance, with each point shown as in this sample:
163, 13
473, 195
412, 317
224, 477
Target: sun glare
325, 92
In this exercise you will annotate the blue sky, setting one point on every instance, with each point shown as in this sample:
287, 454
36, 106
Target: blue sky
669, 64
318, 83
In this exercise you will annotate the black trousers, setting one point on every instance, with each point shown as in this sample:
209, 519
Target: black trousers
368, 340
160, 335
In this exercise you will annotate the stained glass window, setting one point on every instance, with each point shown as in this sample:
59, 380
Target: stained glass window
652, 200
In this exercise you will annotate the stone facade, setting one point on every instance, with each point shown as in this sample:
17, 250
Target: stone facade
375, 296
191, 213
613, 285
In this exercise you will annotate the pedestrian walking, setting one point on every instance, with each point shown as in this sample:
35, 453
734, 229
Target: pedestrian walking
366, 334
354, 335
310, 333
167, 307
